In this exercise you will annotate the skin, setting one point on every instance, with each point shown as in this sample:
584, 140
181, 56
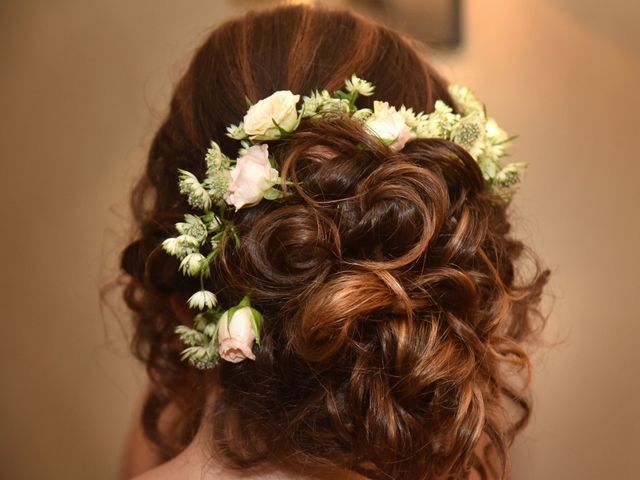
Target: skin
138, 454
198, 462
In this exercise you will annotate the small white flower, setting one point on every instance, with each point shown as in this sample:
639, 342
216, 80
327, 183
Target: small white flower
437, 124
191, 337
236, 335
188, 242
217, 173
356, 84
279, 107
236, 131
470, 134
389, 125
490, 166
251, 177
172, 247
193, 227
497, 139
202, 300
506, 181
494, 132
212, 222
192, 264
465, 100
200, 357
217, 183
362, 114
312, 104
180, 246
215, 159
198, 196
409, 116
511, 174
335, 105
244, 146
323, 102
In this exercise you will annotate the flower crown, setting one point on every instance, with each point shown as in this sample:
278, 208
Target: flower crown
253, 176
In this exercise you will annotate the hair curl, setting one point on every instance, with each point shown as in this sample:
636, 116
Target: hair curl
395, 318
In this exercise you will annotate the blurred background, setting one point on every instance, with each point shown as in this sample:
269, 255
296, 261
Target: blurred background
85, 83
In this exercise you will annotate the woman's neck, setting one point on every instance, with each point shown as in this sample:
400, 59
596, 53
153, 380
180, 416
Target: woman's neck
199, 461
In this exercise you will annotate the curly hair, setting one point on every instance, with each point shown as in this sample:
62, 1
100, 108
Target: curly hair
396, 310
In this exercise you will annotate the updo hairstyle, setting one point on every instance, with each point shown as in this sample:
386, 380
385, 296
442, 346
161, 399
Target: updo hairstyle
396, 313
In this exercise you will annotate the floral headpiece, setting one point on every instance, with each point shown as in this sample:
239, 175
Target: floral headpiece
253, 176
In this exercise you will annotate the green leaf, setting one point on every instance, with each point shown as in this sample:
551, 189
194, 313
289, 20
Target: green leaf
248, 101
205, 269
349, 97
283, 132
298, 120
233, 232
273, 194
230, 314
256, 322
341, 95
507, 140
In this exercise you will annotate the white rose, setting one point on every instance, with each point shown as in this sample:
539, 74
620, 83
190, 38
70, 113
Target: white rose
236, 335
389, 125
251, 177
280, 107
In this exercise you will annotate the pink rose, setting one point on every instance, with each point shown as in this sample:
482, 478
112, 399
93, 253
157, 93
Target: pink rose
389, 125
251, 177
237, 334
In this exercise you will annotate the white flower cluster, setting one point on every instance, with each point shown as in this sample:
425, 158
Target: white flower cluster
253, 176
278, 115
239, 183
487, 143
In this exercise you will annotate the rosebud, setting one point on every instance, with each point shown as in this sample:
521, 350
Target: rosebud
238, 328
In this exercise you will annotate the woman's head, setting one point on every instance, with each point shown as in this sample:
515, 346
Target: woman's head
394, 314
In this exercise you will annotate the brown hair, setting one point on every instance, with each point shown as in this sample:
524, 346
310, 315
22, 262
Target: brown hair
393, 308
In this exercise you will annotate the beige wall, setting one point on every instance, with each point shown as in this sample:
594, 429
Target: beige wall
563, 76
82, 87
